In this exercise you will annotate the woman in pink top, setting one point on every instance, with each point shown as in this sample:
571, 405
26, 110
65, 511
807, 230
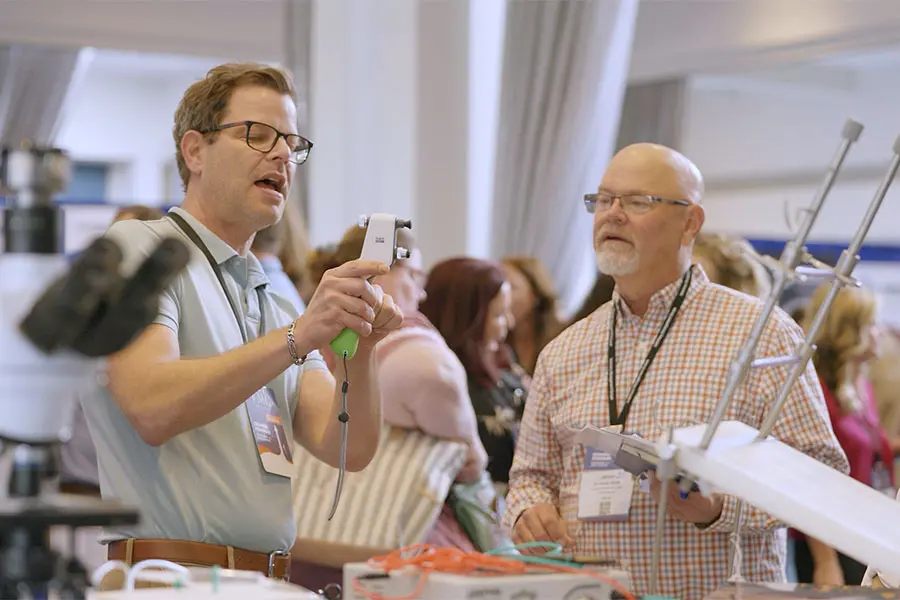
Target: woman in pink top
846, 344
425, 387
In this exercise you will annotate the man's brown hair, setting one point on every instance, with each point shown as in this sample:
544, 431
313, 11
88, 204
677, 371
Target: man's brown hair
203, 103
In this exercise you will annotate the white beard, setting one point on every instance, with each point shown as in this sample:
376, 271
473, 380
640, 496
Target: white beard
617, 264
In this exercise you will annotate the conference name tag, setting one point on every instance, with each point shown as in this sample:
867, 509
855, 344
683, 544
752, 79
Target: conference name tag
272, 441
605, 489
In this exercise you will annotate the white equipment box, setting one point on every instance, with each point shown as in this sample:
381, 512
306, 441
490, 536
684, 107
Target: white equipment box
203, 584
204, 591
444, 586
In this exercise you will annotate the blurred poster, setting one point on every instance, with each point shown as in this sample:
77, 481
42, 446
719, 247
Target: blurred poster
878, 270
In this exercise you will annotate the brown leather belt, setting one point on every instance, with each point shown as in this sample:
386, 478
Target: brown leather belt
275, 564
79, 489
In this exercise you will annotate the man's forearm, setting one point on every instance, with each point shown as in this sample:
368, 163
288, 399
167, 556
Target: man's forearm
527, 489
165, 399
822, 554
364, 408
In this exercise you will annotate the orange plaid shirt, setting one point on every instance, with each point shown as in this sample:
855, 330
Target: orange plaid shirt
687, 378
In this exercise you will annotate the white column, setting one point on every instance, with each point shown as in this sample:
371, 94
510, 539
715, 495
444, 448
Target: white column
403, 117
487, 21
442, 157
461, 46
654, 112
362, 112
617, 35
297, 26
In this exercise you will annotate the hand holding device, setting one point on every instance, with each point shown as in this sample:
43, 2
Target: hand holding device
692, 507
380, 245
344, 299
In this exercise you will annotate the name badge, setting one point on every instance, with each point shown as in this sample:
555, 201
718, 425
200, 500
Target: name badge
605, 490
272, 440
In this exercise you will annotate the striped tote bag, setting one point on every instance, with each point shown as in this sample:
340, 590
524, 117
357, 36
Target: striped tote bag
394, 502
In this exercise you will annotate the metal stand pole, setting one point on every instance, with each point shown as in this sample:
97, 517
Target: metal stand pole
784, 272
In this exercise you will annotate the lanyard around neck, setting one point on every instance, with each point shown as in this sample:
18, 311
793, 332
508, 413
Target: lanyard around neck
619, 418
192, 235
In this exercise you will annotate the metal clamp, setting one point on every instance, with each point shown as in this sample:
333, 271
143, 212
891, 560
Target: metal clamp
271, 567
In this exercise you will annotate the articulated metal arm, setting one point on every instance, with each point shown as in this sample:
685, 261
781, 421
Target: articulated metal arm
840, 276
794, 252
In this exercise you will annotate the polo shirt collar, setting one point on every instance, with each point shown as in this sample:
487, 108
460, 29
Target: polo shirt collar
220, 251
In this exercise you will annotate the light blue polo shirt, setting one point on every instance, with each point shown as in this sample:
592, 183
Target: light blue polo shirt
207, 484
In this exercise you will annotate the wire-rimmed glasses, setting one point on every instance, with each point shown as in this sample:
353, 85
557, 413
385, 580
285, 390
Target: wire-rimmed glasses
635, 204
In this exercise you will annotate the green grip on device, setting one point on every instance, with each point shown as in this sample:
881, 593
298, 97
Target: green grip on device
346, 343
379, 245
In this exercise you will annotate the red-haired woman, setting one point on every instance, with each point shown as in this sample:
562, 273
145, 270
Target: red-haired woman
468, 300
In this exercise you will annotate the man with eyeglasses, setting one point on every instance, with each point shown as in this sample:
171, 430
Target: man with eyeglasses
194, 422
654, 357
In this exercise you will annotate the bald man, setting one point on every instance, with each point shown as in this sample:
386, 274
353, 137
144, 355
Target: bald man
669, 322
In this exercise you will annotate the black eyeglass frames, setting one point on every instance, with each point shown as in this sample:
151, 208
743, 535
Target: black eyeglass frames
263, 137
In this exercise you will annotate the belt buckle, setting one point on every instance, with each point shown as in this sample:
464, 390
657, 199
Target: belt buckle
272, 557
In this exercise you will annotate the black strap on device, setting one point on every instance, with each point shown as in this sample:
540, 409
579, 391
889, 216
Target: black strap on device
192, 235
619, 418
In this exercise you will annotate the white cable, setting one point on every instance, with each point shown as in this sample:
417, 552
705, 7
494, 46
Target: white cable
107, 568
737, 558
344, 419
138, 570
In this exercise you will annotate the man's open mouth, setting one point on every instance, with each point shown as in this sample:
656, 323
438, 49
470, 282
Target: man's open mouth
269, 184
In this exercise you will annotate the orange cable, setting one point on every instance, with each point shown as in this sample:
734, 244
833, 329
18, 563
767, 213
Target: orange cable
429, 559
